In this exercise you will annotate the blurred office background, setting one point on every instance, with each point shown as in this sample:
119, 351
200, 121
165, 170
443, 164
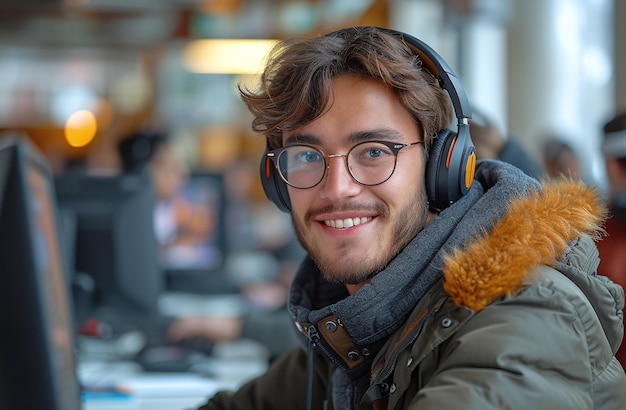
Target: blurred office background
79, 76
539, 68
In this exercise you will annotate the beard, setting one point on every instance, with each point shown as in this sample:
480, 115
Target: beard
347, 266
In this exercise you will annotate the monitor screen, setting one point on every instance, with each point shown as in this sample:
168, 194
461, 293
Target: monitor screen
191, 231
189, 225
109, 222
37, 358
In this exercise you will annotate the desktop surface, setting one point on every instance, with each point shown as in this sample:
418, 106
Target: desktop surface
124, 384
114, 377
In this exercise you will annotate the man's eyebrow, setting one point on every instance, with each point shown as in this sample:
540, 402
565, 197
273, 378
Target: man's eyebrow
376, 134
303, 139
355, 137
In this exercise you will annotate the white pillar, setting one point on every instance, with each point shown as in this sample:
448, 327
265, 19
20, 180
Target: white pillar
560, 78
473, 44
425, 19
482, 50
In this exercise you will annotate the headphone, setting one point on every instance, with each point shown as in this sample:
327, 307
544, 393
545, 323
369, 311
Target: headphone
452, 158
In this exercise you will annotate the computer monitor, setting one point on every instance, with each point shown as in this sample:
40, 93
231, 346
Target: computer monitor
37, 353
109, 220
193, 257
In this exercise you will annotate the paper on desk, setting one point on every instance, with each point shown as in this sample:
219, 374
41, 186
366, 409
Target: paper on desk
164, 385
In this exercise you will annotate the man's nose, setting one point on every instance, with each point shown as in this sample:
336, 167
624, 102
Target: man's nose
338, 182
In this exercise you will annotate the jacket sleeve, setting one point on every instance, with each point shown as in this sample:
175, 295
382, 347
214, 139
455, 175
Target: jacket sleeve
541, 349
283, 386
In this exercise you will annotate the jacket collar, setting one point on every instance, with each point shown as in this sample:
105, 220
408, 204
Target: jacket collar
536, 230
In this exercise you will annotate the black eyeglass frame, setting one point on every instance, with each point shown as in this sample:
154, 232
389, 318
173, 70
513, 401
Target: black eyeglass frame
395, 148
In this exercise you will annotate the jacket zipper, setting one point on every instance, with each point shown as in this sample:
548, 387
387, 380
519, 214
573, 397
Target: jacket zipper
313, 339
315, 342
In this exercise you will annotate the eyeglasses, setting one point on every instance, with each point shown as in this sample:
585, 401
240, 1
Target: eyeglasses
369, 163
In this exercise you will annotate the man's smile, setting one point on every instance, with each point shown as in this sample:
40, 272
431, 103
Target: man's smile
347, 222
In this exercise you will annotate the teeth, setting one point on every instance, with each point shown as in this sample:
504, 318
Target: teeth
346, 223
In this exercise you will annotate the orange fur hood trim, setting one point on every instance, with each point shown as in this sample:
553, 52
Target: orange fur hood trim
535, 231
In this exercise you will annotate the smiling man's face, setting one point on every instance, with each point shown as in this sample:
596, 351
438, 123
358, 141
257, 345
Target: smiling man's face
350, 230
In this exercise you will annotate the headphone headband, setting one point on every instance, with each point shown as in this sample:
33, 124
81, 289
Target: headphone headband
438, 67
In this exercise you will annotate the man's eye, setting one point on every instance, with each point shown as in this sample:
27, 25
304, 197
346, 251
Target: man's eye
373, 153
307, 156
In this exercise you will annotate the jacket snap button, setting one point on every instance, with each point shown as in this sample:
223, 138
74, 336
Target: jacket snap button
392, 388
409, 361
446, 322
365, 351
331, 326
354, 356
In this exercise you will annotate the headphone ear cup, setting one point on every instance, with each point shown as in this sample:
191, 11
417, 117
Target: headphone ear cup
436, 171
274, 187
450, 168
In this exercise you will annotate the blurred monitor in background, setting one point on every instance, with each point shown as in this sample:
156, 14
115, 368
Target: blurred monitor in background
191, 227
189, 214
37, 362
187, 225
114, 258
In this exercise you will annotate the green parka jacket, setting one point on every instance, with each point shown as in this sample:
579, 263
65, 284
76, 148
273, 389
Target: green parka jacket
517, 320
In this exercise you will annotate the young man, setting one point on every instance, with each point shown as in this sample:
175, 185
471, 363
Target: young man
612, 255
424, 286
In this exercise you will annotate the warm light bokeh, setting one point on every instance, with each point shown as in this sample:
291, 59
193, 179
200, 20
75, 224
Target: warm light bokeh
80, 128
226, 56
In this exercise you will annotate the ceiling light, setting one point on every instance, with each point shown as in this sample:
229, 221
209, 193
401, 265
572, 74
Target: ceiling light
226, 56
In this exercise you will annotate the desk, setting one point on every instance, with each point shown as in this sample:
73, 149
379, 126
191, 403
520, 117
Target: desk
230, 366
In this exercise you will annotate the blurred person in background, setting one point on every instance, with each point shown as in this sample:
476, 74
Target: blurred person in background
265, 320
491, 143
613, 246
560, 158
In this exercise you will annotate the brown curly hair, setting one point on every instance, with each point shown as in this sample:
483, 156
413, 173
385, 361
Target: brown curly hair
296, 85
